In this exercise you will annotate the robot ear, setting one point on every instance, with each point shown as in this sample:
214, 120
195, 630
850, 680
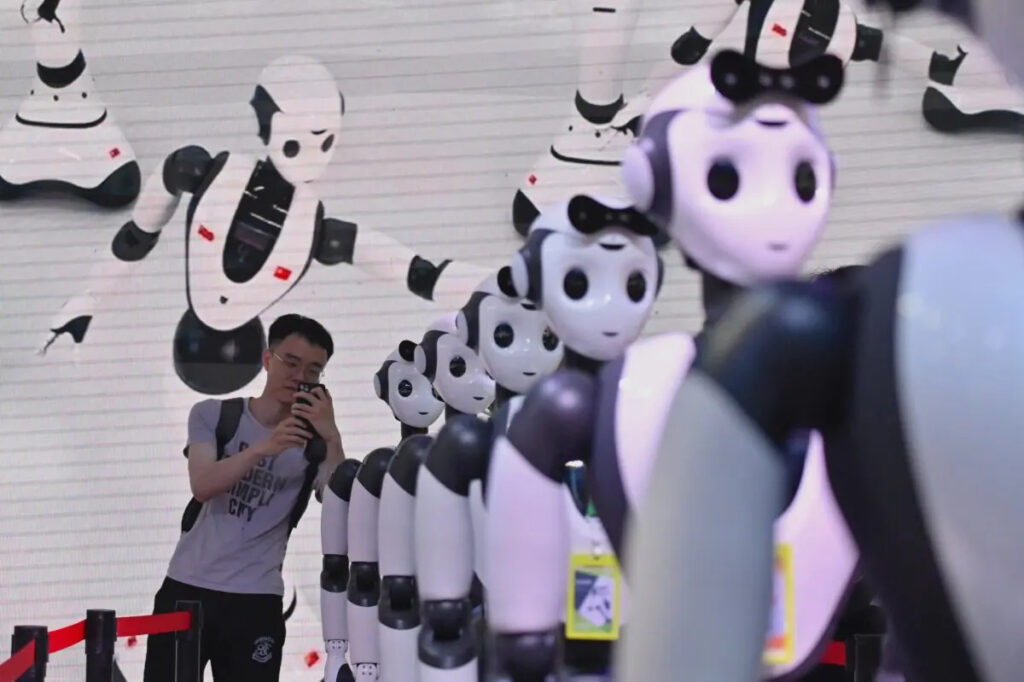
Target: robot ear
407, 350
661, 275
265, 107
526, 267
519, 276
505, 284
420, 360
462, 327
380, 382
647, 170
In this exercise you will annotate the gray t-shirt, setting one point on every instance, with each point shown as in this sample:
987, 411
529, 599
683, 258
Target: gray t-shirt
238, 541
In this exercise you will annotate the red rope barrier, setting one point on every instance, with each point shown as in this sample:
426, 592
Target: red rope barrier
130, 626
70, 635
18, 664
67, 636
835, 654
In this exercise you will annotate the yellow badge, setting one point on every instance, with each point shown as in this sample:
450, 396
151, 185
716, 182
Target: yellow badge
778, 647
592, 608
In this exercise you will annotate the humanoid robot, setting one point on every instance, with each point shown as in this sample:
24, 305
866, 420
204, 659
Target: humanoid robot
254, 226
591, 265
965, 91
517, 348
707, 184
912, 377
63, 137
459, 380
415, 406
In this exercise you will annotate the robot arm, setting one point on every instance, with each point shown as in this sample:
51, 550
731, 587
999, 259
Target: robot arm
704, 533
364, 576
399, 613
690, 47
527, 529
449, 284
334, 576
444, 548
183, 171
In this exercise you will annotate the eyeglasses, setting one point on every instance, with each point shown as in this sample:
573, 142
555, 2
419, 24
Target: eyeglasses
309, 373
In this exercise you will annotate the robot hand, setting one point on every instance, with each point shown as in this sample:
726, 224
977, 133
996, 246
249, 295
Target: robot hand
73, 319
36, 10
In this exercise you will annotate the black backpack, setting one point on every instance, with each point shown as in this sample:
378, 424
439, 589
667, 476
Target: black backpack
227, 424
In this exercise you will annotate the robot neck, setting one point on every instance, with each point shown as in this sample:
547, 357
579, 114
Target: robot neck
716, 294
411, 430
450, 412
574, 360
62, 76
502, 395
269, 177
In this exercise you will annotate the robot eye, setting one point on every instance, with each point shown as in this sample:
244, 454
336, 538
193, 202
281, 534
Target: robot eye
457, 366
405, 388
327, 144
291, 148
503, 335
636, 287
550, 339
805, 181
723, 180
575, 284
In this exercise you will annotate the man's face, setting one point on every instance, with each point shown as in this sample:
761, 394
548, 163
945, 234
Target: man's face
292, 360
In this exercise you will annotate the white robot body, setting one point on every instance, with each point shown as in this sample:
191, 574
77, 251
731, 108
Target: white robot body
215, 235
63, 137
818, 547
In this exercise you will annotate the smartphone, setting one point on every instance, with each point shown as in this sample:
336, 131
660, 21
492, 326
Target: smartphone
304, 387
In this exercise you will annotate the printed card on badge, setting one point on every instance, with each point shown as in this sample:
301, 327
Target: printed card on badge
592, 609
779, 643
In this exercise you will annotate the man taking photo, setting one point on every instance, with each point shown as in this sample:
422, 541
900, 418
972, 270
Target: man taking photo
252, 465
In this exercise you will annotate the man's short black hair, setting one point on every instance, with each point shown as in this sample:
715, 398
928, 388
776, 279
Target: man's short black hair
306, 327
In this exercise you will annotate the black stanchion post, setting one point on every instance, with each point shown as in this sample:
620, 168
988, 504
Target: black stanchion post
23, 634
867, 656
100, 635
186, 644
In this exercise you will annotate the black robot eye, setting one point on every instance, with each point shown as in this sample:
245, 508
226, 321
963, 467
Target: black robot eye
457, 366
575, 284
405, 388
806, 181
636, 287
327, 144
550, 339
291, 148
503, 335
723, 180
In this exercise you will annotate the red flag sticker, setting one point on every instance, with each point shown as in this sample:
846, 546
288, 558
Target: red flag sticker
205, 233
780, 29
311, 659
114, 153
532, 179
282, 273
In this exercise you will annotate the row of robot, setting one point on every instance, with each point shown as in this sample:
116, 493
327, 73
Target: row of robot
555, 407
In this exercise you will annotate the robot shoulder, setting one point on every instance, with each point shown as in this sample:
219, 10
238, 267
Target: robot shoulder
343, 478
460, 453
374, 468
186, 168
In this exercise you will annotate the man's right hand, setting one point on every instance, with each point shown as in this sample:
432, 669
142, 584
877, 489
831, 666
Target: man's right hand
289, 433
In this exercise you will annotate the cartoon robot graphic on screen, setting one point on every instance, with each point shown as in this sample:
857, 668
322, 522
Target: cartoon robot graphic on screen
254, 227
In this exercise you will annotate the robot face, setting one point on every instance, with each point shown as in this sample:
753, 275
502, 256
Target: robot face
459, 376
745, 189
411, 397
305, 110
516, 344
751, 196
598, 290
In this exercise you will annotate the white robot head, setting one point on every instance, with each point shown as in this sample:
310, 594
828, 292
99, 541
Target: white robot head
407, 392
735, 168
453, 368
591, 265
510, 335
299, 109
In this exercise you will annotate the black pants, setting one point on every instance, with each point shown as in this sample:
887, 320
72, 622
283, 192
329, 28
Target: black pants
242, 636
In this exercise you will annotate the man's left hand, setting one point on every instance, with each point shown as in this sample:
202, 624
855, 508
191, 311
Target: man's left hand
320, 412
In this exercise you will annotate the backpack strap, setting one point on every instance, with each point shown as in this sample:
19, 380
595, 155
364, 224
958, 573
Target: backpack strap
227, 424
